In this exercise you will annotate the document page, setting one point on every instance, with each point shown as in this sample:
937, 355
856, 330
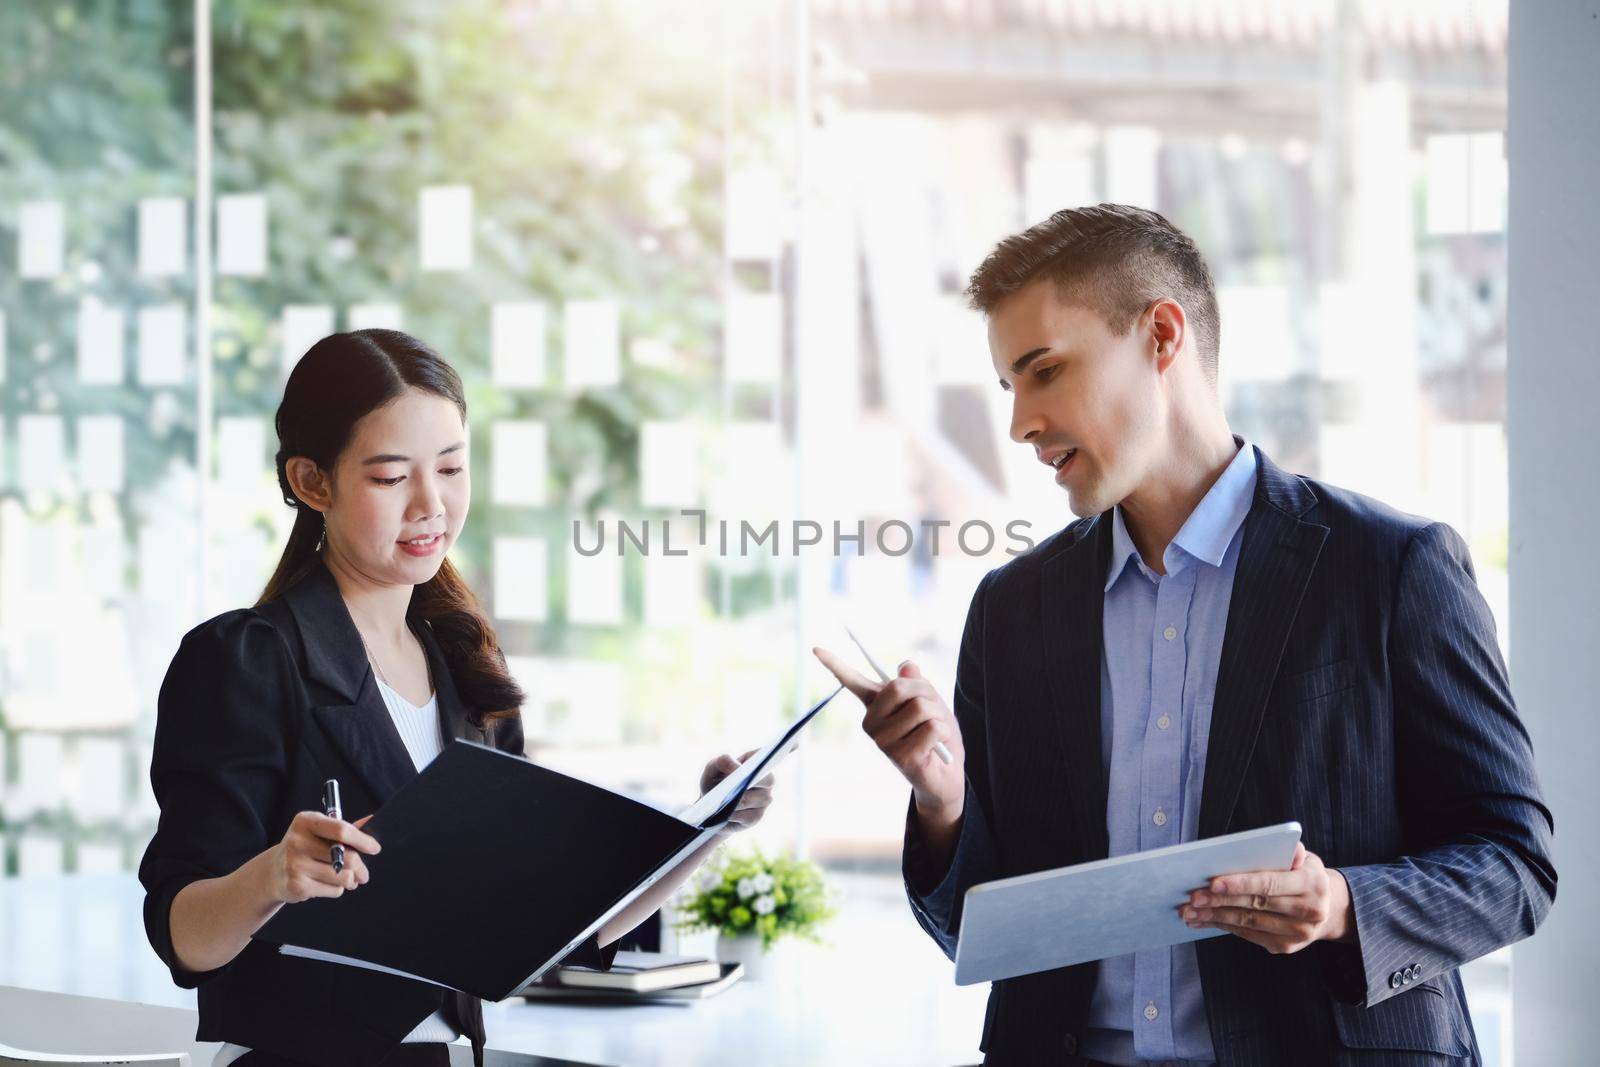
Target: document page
351, 961
735, 784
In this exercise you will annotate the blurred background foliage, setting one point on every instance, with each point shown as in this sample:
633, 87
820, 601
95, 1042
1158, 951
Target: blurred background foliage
593, 144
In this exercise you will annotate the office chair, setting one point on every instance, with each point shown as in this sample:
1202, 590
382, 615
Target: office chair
16, 1057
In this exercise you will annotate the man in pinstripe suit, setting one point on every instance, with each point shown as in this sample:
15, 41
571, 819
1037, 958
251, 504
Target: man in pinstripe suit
1215, 645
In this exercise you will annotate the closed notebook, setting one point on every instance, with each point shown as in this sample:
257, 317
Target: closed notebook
731, 973
486, 905
643, 972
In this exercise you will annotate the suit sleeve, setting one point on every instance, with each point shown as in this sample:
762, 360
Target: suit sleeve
1478, 873
936, 895
508, 737
218, 767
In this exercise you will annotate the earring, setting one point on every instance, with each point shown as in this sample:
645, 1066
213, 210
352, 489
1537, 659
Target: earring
322, 538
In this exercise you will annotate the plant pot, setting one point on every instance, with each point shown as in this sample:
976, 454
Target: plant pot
745, 949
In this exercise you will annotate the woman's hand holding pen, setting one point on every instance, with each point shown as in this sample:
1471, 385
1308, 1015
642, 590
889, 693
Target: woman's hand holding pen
299, 866
905, 717
752, 805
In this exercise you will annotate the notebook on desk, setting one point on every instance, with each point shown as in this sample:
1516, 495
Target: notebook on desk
642, 972
488, 904
729, 974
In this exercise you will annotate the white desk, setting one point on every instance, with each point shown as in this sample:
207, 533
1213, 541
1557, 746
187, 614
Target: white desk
882, 995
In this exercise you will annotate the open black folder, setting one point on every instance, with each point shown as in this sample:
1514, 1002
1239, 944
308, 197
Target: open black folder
494, 869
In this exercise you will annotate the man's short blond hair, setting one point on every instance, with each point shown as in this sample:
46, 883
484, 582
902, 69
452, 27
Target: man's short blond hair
1115, 260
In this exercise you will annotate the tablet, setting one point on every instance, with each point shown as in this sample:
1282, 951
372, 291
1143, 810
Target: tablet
1092, 911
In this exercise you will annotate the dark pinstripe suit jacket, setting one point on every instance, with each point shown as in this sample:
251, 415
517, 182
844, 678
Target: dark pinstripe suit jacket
1360, 692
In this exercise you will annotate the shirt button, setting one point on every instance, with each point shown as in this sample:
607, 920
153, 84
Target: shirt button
1164, 722
1150, 1011
1159, 818
1169, 633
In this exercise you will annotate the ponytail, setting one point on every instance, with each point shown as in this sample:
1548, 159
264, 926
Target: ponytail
477, 665
301, 554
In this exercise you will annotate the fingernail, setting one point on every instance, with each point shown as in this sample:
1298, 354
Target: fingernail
1219, 887
1201, 900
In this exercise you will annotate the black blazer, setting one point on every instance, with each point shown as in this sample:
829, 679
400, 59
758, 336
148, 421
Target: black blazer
258, 708
1360, 692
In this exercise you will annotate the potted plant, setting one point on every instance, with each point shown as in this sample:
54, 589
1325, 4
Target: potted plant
751, 901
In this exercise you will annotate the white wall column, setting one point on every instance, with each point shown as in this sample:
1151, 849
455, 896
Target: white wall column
1554, 438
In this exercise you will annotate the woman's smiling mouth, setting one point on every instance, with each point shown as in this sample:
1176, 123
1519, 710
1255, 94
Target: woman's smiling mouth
423, 546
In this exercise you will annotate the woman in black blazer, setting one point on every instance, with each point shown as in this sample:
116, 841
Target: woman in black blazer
261, 705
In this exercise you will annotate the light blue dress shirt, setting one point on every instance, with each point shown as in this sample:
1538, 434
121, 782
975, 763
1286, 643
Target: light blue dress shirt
1158, 672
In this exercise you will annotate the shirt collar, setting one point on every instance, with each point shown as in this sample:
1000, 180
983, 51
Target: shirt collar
1210, 528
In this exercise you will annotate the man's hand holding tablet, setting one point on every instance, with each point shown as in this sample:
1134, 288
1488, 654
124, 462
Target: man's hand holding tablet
1282, 911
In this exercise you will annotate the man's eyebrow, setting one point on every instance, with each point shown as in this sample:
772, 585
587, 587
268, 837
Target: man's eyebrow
1022, 363
390, 457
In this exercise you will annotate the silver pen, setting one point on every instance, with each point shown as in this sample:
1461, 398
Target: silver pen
883, 676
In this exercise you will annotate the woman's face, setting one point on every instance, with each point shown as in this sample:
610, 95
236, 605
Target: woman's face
400, 490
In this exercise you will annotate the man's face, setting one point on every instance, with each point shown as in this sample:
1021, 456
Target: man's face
1083, 398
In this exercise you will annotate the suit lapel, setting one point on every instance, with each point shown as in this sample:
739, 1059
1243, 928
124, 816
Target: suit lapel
1277, 556
361, 728
365, 733
1072, 604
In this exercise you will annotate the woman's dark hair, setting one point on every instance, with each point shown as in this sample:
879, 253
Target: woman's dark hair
343, 378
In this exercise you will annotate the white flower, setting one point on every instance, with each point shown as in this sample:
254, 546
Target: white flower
765, 904
747, 888
763, 882
709, 880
